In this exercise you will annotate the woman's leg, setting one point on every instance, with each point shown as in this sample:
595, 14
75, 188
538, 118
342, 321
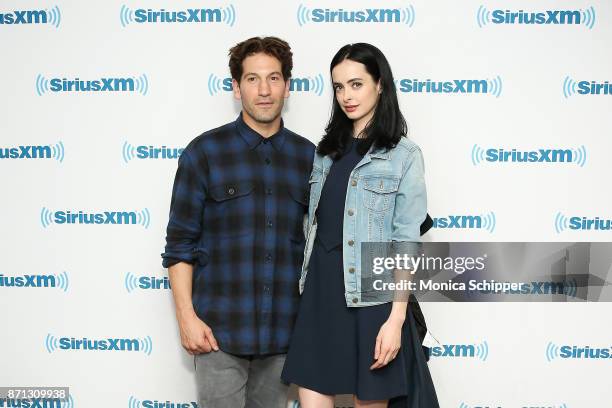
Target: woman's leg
313, 399
369, 404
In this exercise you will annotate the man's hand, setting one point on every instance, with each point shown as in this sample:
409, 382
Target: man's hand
196, 336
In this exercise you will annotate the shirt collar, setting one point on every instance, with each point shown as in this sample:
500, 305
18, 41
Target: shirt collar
253, 139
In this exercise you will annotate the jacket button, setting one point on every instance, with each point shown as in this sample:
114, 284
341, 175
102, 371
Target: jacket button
351, 242
351, 212
351, 270
355, 300
353, 183
231, 191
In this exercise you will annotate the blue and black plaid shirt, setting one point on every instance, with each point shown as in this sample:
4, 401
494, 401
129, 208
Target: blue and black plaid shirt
237, 208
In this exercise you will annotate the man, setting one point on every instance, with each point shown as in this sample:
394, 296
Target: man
235, 241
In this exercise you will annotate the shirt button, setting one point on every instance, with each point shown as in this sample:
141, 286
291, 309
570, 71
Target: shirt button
269, 224
231, 191
351, 212
269, 191
351, 270
355, 300
268, 257
267, 160
265, 141
353, 183
351, 242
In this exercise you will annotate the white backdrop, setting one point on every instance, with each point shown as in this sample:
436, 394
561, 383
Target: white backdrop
69, 151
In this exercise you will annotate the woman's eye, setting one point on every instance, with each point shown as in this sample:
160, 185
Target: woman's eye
356, 84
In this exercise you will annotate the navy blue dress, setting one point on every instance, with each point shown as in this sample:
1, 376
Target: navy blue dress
332, 345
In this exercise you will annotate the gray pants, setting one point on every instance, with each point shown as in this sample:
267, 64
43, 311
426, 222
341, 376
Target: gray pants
228, 381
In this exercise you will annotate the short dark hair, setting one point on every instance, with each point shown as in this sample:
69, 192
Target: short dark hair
273, 46
387, 125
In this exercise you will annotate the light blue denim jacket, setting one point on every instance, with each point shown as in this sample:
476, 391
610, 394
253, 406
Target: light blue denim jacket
386, 201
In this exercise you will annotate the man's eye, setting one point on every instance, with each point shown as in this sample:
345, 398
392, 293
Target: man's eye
251, 79
275, 78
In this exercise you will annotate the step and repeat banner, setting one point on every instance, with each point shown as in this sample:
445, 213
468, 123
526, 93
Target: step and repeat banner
510, 101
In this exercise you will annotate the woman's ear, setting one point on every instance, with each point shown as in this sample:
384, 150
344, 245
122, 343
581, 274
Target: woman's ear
379, 87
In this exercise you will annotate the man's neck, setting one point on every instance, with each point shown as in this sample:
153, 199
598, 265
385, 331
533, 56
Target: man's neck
264, 129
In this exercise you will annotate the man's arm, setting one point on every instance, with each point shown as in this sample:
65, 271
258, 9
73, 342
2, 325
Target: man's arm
183, 235
196, 336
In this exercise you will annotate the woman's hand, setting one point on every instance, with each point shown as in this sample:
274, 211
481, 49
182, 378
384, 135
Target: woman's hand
388, 342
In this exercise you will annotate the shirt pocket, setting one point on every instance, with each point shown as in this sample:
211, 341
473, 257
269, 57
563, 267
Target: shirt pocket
231, 209
379, 191
297, 208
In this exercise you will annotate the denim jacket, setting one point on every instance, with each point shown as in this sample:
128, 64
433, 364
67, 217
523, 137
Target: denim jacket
386, 201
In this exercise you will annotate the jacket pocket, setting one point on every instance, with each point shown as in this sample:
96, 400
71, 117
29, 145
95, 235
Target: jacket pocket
379, 191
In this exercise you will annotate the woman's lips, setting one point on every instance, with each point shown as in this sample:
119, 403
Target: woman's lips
350, 108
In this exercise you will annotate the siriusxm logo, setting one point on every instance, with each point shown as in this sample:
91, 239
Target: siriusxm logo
404, 15
462, 86
144, 345
546, 17
51, 16
575, 352
484, 221
132, 283
315, 84
59, 281
142, 217
568, 288
563, 223
577, 155
131, 152
52, 151
225, 15
134, 402
572, 87
37, 403
478, 351
120, 84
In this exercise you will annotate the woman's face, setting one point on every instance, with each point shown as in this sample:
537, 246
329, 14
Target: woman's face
356, 91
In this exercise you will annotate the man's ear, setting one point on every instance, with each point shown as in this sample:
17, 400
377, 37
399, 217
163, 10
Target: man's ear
287, 86
236, 89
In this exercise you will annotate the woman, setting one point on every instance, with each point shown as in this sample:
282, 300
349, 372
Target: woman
367, 185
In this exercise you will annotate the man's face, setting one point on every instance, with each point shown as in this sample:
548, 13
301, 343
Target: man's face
262, 88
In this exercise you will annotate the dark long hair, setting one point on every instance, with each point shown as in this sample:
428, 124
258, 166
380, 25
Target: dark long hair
387, 125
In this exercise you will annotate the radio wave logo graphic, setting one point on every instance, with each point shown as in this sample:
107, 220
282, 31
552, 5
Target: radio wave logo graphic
214, 84
408, 15
482, 351
569, 87
570, 287
46, 217
62, 281
51, 343
54, 16
317, 84
303, 15
133, 402
146, 345
141, 84
588, 17
483, 16
478, 154
42, 85
126, 16
552, 351
144, 218
131, 282
129, 152
488, 222
69, 403
561, 222
495, 86
228, 14
58, 152
580, 155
